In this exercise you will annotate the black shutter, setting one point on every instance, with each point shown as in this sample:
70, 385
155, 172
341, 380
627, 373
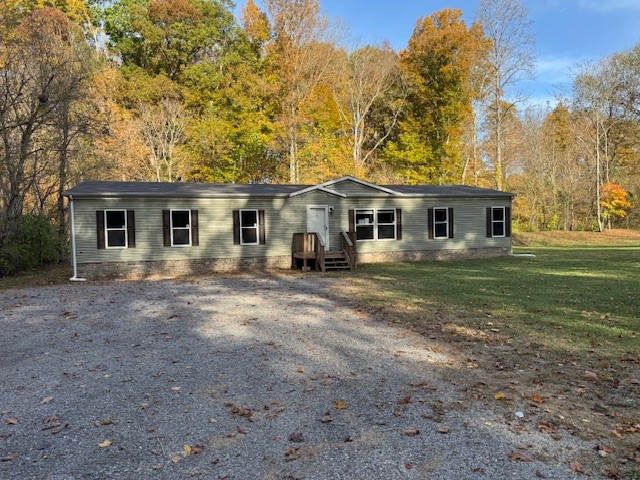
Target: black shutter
236, 227
507, 221
100, 229
131, 229
352, 221
261, 227
430, 222
398, 224
166, 227
195, 233
450, 215
489, 223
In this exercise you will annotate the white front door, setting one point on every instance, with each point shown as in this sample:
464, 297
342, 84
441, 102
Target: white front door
318, 221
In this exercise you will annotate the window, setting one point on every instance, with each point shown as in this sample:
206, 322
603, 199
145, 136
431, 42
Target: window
365, 228
381, 224
180, 228
115, 224
440, 223
386, 224
115, 229
498, 222
249, 227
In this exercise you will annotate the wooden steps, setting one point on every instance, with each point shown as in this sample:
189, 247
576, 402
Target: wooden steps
334, 261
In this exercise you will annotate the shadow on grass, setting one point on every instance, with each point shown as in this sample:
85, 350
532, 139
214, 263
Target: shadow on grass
573, 298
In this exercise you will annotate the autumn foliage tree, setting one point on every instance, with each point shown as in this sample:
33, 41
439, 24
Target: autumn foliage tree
440, 63
614, 201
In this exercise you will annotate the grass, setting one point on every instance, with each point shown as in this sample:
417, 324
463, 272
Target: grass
558, 334
567, 297
49, 275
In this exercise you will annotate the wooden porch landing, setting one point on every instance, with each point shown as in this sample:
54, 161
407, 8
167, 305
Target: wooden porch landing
308, 247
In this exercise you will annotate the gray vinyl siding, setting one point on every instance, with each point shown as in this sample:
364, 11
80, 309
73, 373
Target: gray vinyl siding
283, 217
353, 188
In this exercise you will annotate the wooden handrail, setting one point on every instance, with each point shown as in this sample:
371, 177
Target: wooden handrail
348, 244
310, 246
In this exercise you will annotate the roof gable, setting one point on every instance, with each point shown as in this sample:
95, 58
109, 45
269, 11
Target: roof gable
344, 186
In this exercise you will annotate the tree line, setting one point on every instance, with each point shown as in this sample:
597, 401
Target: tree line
181, 90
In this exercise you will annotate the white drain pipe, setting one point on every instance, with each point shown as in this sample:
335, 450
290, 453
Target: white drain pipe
74, 261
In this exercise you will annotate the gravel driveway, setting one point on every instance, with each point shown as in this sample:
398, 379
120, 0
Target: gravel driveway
239, 377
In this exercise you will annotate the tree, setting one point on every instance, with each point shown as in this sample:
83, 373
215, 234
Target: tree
44, 76
511, 59
371, 77
301, 53
167, 36
440, 63
614, 201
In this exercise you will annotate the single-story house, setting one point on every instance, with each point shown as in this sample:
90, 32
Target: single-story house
136, 229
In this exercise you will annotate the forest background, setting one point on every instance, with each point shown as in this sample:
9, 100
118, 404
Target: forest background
182, 90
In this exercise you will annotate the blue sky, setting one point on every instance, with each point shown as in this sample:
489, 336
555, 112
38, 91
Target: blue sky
567, 32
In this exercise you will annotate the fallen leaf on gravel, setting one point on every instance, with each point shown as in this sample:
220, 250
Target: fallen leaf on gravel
53, 423
186, 450
592, 377
10, 456
326, 419
296, 437
176, 458
499, 396
603, 450
520, 456
105, 444
4, 436
443, 430
11, 421
576, 466
411, 432
614, 473
239, 410
176, 389
104, 422
197, 449
45, 400
300, 370
405, 400
291, 453
340, 404
537, 398
408, 466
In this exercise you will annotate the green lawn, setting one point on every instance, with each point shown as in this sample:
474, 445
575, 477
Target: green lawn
573, 298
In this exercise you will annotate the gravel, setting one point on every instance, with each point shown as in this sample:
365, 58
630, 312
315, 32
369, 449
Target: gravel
270, 376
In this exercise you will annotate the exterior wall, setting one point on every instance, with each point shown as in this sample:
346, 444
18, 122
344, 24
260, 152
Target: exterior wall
283, 217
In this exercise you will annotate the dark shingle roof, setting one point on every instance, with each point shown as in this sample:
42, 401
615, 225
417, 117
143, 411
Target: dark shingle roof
448, 191
193, 190
176, 189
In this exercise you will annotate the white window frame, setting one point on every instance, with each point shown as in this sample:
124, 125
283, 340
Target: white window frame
107, 229
394, 223
375, 224
446, 222
171, 227
503, 222
256, 226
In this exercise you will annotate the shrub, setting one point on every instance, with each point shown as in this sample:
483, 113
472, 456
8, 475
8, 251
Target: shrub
35, 242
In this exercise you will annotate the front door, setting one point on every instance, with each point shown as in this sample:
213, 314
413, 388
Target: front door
318, 221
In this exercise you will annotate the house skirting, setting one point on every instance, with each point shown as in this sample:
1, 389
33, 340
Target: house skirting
181, 268
425, 255
178, 268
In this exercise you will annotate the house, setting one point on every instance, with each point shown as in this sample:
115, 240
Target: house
136, 229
